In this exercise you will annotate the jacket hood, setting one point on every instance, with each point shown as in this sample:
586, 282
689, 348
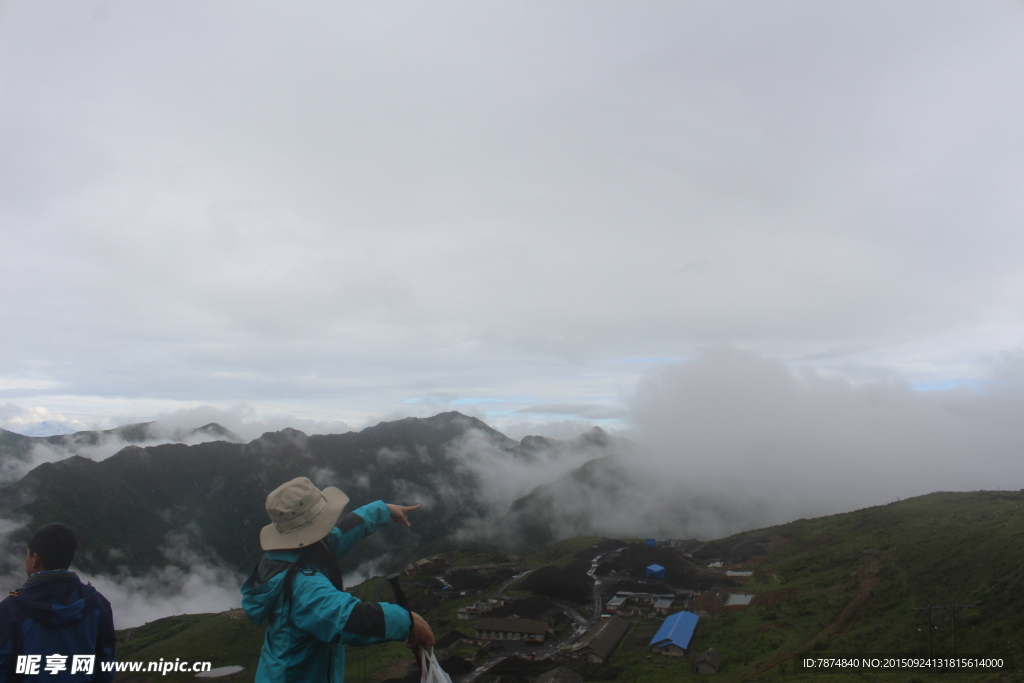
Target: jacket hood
263, 588
57, 599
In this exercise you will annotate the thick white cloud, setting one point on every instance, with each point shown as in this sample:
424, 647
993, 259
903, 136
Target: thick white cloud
329, 209
766, 444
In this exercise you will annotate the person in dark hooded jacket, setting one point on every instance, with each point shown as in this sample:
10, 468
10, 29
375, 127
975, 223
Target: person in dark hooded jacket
61, 630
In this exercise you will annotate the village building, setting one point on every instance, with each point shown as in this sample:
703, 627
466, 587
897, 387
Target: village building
425, 564
663, 605
655, 571
707, 662
646, 598
475, 611
673, 638
615, 604
643, 603
597, 644
526, 630
739, 599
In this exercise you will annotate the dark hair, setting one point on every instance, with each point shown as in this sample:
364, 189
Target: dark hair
313, 558
55, 544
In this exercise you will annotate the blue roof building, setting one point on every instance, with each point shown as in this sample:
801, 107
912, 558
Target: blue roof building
651, 541
673, 638
656, 571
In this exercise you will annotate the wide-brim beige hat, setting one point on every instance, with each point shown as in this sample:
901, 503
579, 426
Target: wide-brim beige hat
301, 514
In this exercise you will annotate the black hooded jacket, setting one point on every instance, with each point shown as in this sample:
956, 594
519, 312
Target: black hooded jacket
54, 613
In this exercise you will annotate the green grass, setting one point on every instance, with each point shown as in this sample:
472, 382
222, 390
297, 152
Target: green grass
371, 588
465, 558
373, 660
220, 639
561, 554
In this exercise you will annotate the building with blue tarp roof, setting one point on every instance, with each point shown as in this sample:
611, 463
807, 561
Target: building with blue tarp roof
655, 571
673, 638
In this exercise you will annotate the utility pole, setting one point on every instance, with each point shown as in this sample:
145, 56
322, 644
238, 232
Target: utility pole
952, 609
929, 608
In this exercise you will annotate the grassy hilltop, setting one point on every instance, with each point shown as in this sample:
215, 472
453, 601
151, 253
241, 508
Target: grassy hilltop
846, 584
849, 583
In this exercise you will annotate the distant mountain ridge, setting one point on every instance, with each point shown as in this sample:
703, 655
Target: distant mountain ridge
19, 453
134, 508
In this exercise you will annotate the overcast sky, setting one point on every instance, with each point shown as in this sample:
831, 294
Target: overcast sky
338, 212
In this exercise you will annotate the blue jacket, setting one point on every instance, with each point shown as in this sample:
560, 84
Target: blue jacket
56, 614
306, 635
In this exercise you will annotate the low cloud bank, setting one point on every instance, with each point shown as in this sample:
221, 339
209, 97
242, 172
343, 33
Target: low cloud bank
734, 441
746, 427
182, 426
170, 590
503, 477
243, 420
95, 446
191, 582
39, 421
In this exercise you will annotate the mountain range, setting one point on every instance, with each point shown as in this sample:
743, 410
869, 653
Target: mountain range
144, 506
19, 453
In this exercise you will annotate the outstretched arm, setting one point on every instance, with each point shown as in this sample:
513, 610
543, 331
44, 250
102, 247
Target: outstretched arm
364, 521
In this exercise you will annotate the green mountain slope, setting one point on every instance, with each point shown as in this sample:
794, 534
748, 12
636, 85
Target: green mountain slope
852, 583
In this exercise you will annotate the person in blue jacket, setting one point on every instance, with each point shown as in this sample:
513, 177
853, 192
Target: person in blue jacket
55, 628
296, 587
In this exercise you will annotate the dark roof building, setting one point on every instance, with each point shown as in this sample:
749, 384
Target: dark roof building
663, 605
707, 662
599, 641
673, 638
511, 629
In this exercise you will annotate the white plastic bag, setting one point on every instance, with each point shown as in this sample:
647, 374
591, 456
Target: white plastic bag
432, 671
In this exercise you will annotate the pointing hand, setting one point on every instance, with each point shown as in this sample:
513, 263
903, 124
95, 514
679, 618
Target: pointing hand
399, 512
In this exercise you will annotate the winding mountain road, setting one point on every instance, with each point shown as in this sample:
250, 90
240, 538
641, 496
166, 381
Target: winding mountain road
580, 623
